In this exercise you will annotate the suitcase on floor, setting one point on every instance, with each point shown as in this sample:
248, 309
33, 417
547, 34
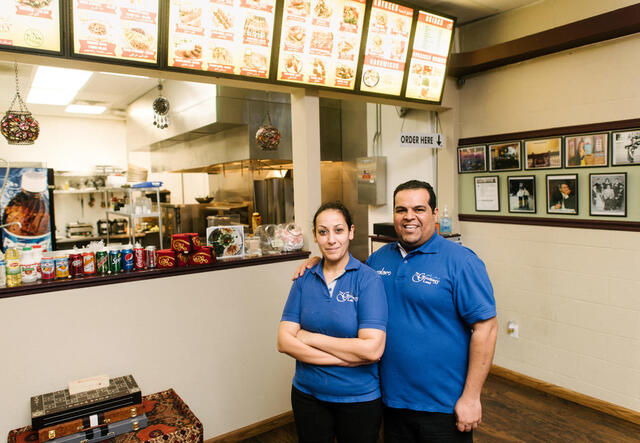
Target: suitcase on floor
105, 432
59, 407
88, 421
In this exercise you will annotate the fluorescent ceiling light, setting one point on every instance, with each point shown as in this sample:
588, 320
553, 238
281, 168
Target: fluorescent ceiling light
85, 109
56, 86
123, 75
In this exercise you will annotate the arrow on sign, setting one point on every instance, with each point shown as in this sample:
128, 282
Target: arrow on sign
439, 140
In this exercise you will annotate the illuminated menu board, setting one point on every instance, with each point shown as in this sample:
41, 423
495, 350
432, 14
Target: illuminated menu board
429, 57
386, 49
228, 36
320, 42
122, 29
33, 24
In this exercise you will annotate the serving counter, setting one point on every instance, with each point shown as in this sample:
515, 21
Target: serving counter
208, 332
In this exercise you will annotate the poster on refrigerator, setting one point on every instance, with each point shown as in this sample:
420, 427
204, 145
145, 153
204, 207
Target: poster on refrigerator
386, 48
320, 42
32, 24
119, 29
226, 36
25, 208
429, 57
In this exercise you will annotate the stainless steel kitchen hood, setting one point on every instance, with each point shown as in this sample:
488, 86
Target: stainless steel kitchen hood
210, 124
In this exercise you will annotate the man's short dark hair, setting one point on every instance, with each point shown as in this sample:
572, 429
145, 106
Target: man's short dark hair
417, 184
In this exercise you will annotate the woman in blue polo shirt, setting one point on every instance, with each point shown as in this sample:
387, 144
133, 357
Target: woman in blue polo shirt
334, 325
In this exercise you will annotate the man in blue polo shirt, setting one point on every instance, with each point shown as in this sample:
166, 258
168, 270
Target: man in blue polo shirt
442, 328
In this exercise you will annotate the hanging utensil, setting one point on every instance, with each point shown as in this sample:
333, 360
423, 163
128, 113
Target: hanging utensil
18, 126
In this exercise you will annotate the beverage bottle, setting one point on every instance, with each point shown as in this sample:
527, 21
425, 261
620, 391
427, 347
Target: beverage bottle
28, 266
30, 207
445, 222
3, 272
12, 260
37, 258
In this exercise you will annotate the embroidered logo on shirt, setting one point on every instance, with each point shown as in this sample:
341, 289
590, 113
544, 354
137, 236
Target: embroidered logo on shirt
427, 279
346, 296
383, 272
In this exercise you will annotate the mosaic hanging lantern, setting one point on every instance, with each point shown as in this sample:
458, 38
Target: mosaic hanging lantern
267, 135
18, 125
161, 110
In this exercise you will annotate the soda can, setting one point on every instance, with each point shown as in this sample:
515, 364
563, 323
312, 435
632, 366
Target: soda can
115, 261
88, 263
138, 257
151, 259
127, 259
62, 266
102, 261
48, 268
75, 265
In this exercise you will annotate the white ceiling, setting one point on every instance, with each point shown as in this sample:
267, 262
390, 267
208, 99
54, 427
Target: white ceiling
117, 92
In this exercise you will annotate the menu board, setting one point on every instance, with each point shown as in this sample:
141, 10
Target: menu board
33, 24
386, 50
122, 29
228, 36
429, 57
320, 42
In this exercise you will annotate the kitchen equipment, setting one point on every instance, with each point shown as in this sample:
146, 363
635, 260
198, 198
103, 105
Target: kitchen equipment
274, 199
179, 219
119, 226
165, 196
103, 227
79, 230
223, 220
204, 199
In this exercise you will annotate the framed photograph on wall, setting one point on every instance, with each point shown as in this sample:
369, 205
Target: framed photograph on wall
504, 156
588, 150
543, 153
487, 193
625, 148
472, 159
608, 194
522, 193
562, 194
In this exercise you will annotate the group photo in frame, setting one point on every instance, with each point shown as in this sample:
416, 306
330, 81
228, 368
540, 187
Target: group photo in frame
472, 159
543, 153
522, 194
588, 150
608, 194
487, 193
562, 194
504, 156
625, 148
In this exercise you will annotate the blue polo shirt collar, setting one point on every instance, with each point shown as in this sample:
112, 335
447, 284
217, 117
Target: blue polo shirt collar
352, 265
430, 247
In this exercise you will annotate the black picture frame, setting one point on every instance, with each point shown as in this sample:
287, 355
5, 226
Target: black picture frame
521, 194
495, 198
539, 158
586, 150
611, 200
559, 201
508, 156
470, 163
625, 147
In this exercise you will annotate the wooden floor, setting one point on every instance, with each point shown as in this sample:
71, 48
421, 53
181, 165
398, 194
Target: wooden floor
516, 413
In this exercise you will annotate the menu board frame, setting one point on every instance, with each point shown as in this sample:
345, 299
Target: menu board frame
270, 79
62, 28
409, 56
161, 41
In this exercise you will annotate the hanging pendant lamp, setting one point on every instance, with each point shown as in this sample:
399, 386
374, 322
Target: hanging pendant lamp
18, 125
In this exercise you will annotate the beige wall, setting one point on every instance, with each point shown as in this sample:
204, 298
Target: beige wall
574, 292
210, 336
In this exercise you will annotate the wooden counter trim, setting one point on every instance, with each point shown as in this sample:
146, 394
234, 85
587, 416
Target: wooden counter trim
552, 132
567, 394
254, 429
602, 27
611, 225
123, 277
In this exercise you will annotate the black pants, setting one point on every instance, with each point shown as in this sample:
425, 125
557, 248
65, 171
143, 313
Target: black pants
320, 421
407, 426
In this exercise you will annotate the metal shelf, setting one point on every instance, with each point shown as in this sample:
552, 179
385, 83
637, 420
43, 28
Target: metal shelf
132, 217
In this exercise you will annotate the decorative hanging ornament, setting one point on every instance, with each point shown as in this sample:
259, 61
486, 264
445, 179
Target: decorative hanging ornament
267, 135
18, 126
161, 110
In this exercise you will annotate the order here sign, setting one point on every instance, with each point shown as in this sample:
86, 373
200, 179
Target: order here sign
421, 140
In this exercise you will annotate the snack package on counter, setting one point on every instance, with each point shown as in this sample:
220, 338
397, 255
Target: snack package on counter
270, 238
181, 242
182, 259
291, 235
202, 256
166, 258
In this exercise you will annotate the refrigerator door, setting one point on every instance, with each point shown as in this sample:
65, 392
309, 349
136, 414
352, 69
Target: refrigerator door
26, 208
